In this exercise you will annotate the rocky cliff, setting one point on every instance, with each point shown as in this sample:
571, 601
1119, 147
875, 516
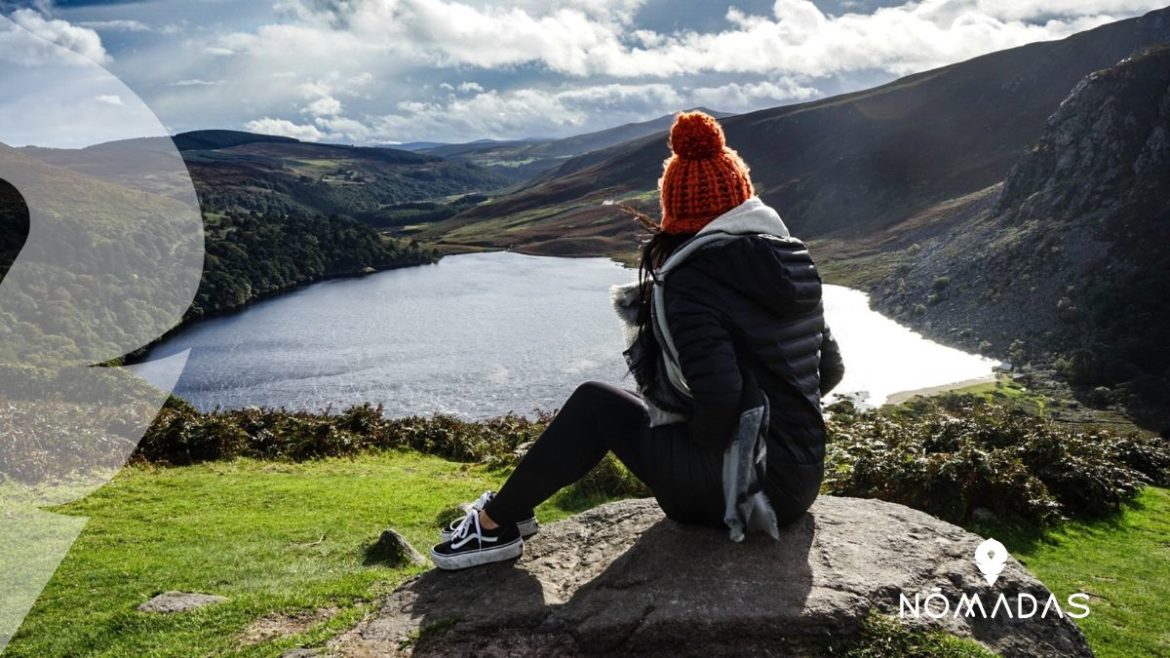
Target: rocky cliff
621, 579
1064, 264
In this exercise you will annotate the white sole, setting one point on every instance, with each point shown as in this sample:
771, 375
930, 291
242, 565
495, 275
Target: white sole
508, 551
527, 528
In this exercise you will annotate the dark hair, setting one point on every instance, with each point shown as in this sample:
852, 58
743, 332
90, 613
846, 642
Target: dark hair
655, 250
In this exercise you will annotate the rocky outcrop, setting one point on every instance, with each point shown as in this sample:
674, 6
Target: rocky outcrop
1106, 142
170, 602
623, 579
1067, 262
394, 550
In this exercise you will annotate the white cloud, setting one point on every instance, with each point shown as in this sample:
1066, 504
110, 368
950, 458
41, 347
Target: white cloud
116, 26
109, 99
736, 97
196, 82
531, 112
595, 37
323, 107
341, 129
1013, 10
525, 112
54, 32
799, 39
284, 128
357, 70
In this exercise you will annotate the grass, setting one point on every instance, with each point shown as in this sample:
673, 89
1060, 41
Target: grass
1123, 563
884, 637
276, 538
1007, 390
289, 539
861, 272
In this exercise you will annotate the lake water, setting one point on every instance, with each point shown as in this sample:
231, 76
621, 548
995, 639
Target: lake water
478, 335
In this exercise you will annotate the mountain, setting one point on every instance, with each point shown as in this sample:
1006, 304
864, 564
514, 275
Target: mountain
95, 243
235, 170
1064, 263
520, 160
244, 255
124, 162
845, 166
222, 139
284, 175
417, 146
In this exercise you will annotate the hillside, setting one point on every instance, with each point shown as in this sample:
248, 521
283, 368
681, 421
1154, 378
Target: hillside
245, 255
1064, 264
521, 160
246, 172
95, 246
325, 178
844, 166
222, 139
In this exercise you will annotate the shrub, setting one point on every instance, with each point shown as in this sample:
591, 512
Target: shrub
952, 454
182, 435
610, 478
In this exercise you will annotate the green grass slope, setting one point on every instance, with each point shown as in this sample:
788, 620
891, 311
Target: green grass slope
287, 543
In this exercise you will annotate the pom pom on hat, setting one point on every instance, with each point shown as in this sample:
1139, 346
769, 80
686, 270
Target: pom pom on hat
703, 178
696, 136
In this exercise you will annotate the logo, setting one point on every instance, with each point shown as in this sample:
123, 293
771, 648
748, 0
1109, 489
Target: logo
990, 558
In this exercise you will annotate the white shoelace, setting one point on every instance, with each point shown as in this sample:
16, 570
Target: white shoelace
464, 527
477, 504
483, 500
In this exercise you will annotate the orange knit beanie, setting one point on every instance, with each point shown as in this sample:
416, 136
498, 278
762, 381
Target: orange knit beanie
703, 178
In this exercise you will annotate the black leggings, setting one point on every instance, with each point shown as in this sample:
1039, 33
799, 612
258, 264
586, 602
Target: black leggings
597, 418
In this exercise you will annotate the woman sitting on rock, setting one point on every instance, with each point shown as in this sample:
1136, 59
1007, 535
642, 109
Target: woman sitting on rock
731, 354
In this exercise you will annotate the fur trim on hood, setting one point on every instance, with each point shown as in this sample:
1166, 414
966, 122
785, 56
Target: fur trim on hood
625, 301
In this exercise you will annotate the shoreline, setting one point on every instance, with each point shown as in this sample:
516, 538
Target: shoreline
141, 354
902, 396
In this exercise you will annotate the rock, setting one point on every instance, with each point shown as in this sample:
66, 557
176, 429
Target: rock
301, 653
169, 602
983, 515
393, 549
622, 578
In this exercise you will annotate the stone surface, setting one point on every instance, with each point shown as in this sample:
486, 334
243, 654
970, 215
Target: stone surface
622, 578
301, 653
169, 602
394, 550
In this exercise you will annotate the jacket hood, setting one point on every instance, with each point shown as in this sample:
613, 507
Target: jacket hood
751, 216
767, 265
756, 261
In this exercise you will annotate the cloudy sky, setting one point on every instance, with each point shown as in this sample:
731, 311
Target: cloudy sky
378, 71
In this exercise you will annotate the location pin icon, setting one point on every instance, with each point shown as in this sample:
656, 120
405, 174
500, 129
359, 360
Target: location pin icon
990, 557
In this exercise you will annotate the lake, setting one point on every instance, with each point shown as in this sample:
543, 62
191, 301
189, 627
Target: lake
478, 335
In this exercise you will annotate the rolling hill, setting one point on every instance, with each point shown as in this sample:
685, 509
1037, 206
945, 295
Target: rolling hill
521, 160
239, 171
246, 255
846, 166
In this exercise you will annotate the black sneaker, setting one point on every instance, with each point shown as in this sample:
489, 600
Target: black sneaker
472, 545
527, 527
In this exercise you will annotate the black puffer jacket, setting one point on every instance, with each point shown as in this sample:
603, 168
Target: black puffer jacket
754, 304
